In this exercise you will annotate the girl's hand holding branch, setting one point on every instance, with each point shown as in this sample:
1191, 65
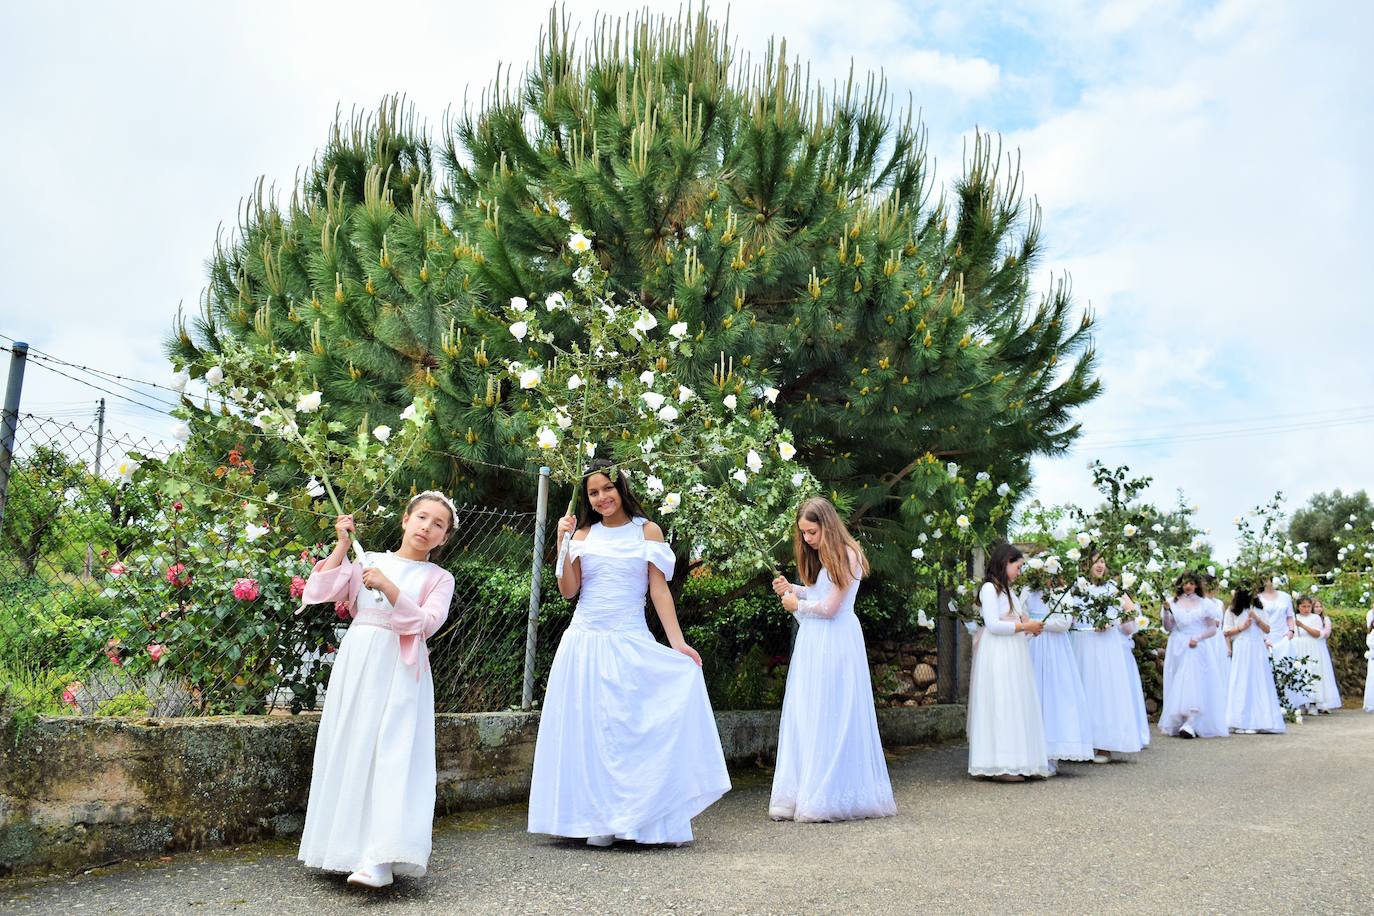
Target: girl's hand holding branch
789, 602
344, 528
375, 579
781, 586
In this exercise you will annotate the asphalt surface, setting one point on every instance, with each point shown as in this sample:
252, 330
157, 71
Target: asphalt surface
1252, 824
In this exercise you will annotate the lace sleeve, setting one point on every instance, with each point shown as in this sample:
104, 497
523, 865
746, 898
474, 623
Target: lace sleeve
830, 605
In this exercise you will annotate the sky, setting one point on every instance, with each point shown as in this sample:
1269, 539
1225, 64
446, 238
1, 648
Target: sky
1203, 171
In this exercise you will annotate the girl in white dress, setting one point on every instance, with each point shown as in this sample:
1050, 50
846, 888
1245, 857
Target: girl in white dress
1194, 692
371, 807
830, 764
1063, 703
1006, 737
1219, 644
1279, 608
1305, 649
627, 746
1252, 703
1369, 666
1329, 694
1116, 703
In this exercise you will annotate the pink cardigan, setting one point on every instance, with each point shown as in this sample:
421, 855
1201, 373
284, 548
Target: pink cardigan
413, 623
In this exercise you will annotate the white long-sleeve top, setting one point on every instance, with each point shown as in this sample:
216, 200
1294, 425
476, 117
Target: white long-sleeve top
832, 600
1033, 603
1001, 611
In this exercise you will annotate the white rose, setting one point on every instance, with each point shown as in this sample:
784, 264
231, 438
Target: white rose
579, 243
678, 330
1003, 489
575, 382
647, 376
730, 401
529, 378
590, 449
771, 394
981, 476
214, 375
740, 475
1053, 566
1113, 612
754, 461
1083, 538
238, 394
645, 322
653, 399
952, 469
253, 532
314, 488
653, 484
383, 433
410, 413
918, 554
786, 451
181, 432
1128, 579
670, 503
1129, 531
668, 413
684, 394
1074, 554
519, 303
547, 438
309, 403
562, 419
127, 468
180, 379
798, 478
963, 522
520, 329
583, 275
555, 302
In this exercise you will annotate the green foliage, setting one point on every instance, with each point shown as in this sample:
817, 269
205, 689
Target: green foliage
797, 233
1348, 650
1327, 522
41, 489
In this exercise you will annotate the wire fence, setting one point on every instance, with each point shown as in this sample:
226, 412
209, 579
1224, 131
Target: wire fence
119, 596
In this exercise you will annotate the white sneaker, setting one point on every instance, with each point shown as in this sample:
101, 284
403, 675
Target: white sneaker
372, 876
1248, 731
1102, 758
603, 841
1186, 730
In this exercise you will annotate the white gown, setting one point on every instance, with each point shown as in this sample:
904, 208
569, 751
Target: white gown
1193, 683
1279, 611
373, 784
627, 742
1251, 701
1005, 733
1312, 650
1063, 704
1218, 643
830, 764
1111, 682
1126, 629
1369, 666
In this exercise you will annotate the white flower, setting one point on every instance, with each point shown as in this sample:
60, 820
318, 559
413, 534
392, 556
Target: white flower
273, 496
653, 399
181, 432
555, 302
180, 379
653, 484
238, 394
678, 330
518, 303
1129, 531
1083, 538
314, 489
547, 438
1052, 565
670, 503
1142, 622
1157, 528
963, 522
214, 375
952, 469
684, 394
647, 376
730, 401
971, 626
590, 449
252, 532
740, 475
1153, 566
291, 357
645, 321
409, 413
922, 538
520, 329
1003, 489
1113, 612
786, 450
579, 243
1081, 584
1196, 544
668, 413
583, 275
961, 589
1035, 563
923, 621
1129, 579
918, 554
264, 419
382, 433
1179, 564
798, 478
982, 475
754, 461
937, 533
771, 395
309, 403
575, 382
1074, 554
1211, 570
562, 419
127, 468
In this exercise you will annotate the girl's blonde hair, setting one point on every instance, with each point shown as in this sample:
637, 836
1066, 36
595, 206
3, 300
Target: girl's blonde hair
835, 544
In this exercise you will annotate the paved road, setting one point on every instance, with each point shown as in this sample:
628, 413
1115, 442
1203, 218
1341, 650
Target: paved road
1258, 824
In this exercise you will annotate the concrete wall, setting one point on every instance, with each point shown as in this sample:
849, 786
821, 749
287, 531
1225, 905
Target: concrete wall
76, 791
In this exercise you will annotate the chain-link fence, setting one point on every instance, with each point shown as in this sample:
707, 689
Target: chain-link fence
120, 594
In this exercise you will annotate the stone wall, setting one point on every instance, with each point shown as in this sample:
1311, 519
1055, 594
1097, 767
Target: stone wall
77, 791
903, 673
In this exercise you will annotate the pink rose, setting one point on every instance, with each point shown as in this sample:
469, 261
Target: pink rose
155, 650
174, 575
297, 586
341, 610
177, 506
246, 589
117, 569
114, 652
69, 694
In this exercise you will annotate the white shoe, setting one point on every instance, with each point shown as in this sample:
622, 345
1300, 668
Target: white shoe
602, 841
1102, 758
1186, 730
1248, 731
372, 876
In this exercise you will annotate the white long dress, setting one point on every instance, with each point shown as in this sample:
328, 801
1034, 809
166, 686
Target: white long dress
1329, 697
1279, 611
1252, 703
627, 742
1005, 732
830, 764
373, 784
1369, 665
1063, 703
1307, 649
1218, 644
1111, 682
1126, 629
1194, 688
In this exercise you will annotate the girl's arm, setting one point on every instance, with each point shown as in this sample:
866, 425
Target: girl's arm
662, 598
1310, 631
1166, 617
411, 619
570, 583
334, 578
1213, 627
830, 605
1233, 626
1326, 627
1259, 620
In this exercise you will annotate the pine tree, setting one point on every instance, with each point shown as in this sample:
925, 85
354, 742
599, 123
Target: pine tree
796, 230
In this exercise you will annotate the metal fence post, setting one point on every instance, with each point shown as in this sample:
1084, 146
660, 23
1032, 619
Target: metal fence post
9, 422
99, 448
541, 515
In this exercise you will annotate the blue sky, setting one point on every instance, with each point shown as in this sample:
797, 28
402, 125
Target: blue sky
1203, 169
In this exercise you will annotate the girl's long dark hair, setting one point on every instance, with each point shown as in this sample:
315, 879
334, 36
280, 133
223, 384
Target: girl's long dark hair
586, 515
1198, 588
1244, 598
1003, 555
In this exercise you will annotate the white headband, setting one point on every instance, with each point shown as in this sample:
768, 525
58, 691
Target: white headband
435, 494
